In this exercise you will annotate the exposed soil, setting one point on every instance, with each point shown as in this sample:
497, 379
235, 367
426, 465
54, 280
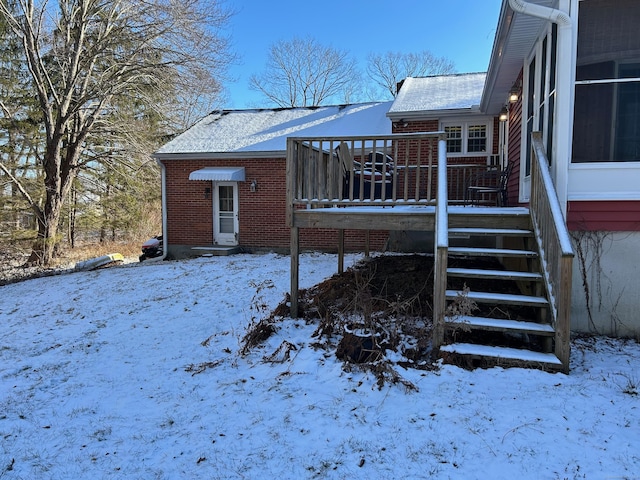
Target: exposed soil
382, 305
399, 284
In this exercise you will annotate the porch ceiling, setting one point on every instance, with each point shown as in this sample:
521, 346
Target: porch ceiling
515, 37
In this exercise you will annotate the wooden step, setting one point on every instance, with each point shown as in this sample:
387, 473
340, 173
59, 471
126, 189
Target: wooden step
514, 356
499, 298
505, 232
498, 217
500, 325
490, 252
494, 274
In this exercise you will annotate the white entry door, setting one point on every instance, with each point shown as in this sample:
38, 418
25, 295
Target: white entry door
225, 213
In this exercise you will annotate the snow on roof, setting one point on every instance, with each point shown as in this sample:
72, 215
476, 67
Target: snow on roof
443, 92
266, 130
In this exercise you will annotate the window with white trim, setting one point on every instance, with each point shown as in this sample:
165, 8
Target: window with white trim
467, 138
606, 124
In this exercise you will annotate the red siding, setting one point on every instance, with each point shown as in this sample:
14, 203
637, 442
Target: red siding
514, 145
611, 216
262, 214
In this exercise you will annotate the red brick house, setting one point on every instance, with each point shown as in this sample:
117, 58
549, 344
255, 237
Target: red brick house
566, 68
224, 179
450, 103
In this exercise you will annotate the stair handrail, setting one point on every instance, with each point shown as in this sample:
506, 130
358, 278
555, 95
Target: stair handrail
441, 246
556, 249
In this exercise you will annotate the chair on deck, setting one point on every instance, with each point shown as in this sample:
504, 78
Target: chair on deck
491, 182
370, 173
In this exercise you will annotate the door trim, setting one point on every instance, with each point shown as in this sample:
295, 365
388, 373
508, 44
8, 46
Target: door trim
225, 238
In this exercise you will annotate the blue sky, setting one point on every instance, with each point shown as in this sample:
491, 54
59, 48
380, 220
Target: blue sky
461, 30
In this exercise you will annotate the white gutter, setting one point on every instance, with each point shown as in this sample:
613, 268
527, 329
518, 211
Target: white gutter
433, 114
539, 11
234, 155
565, 70
164, 209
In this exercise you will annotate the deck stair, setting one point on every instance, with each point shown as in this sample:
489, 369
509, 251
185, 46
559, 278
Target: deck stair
493, 264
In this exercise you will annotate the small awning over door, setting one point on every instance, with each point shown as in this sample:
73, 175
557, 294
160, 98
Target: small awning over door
219, 174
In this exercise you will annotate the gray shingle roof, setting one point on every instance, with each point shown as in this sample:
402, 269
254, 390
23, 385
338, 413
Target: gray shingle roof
247, 131
438, 93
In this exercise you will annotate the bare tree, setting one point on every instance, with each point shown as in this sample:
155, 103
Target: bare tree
387, 69
303, 73
88, 57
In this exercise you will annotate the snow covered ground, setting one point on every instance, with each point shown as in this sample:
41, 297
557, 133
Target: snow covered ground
134, 372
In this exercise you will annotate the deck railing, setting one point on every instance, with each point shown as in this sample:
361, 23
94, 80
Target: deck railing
387, 170
556, 250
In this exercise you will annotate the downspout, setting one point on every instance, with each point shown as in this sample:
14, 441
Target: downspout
164, 208
565, 71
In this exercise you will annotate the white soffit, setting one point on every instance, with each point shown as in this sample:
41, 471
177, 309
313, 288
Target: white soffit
219, 174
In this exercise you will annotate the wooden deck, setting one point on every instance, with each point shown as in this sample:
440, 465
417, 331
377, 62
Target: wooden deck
402, 217
404, 182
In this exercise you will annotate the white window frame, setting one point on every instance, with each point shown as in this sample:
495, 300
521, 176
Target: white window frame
541, 103
616, 81
465, 123
601, 181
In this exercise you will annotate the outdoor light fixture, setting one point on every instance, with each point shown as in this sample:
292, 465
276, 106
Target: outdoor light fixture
514, 93
207, 192
504, 114
253, 186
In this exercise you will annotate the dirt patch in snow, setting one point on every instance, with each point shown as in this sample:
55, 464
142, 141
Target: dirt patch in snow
378, 314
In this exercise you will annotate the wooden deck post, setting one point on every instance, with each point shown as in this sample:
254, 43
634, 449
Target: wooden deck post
340, 251
563, 324
295, 270
439, 296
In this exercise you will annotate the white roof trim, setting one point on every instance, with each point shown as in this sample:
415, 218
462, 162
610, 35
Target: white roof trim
219, 174
220, 155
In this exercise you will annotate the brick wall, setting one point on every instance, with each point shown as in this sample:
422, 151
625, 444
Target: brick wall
457, 180
261, 214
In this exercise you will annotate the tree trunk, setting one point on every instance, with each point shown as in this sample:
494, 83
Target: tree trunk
73, 209
57, 183
44, 247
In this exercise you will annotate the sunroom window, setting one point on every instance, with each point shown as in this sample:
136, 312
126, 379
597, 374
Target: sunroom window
607, 96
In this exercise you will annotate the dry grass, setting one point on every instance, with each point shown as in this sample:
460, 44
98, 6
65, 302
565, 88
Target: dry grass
128, 249
14, 255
